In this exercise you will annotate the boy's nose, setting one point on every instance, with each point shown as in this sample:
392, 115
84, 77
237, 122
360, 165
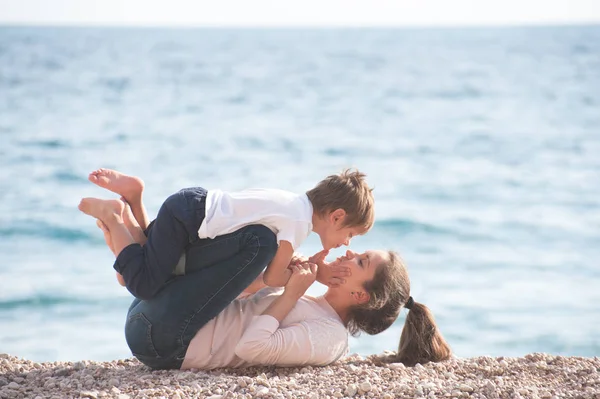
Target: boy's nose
349, 254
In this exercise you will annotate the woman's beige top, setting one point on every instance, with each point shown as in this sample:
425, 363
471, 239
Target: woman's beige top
240, 336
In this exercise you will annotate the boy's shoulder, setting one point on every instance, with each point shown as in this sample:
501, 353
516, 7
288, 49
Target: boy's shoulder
273, 194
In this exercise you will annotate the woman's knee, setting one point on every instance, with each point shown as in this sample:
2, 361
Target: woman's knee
139, 336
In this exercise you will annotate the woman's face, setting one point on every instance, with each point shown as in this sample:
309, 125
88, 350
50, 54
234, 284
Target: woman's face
362, 266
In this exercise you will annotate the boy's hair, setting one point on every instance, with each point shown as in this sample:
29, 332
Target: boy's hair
348, 191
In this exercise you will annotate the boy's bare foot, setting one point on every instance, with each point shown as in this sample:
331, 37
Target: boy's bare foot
129, 187
105, 210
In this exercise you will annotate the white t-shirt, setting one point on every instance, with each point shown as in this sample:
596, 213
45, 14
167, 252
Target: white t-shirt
240, 336
287, 214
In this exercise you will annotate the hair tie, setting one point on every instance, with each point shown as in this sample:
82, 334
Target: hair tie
409, 304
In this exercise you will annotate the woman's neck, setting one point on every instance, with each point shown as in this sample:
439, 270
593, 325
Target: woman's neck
340, 303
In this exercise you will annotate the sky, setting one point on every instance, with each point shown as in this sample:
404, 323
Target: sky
299, 12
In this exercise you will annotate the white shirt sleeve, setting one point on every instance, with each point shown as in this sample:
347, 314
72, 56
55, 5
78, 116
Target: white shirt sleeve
315, 342
294, 232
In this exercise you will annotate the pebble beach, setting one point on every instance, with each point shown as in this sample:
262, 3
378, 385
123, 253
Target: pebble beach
532, 376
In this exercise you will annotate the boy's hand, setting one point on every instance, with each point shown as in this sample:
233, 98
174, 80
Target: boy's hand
319, 257
331, 276
303, 275
296, 259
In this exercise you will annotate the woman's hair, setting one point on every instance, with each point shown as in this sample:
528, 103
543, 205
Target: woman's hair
389, 290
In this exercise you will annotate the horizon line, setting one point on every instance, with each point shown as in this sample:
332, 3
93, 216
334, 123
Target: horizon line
518, 24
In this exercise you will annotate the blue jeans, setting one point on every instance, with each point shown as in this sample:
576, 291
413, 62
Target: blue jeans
159, 330
146, 269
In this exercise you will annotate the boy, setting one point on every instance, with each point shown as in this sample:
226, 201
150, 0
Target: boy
337, 209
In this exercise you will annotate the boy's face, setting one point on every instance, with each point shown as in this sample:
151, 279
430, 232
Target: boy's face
335, 235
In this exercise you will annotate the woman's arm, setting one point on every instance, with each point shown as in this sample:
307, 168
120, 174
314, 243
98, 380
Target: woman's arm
265, 343
302, 276
314, 342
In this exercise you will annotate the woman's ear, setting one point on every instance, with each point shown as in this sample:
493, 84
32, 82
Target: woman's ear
361, 297
337, 216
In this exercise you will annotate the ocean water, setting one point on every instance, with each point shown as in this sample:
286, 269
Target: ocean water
482, 145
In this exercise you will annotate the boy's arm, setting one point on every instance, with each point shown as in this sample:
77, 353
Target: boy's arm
277, 273
257, 285
331, 276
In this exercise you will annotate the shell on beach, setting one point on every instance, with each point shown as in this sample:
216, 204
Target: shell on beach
533, 376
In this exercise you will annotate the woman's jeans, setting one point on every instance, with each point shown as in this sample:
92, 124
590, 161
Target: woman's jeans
159, 330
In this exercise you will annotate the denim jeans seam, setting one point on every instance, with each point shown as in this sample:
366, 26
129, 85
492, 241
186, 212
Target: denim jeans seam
149, 344
186, 324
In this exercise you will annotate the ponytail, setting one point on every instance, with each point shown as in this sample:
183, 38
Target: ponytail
420, 341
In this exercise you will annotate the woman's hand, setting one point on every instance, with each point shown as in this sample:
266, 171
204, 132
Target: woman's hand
331, 276
303, 275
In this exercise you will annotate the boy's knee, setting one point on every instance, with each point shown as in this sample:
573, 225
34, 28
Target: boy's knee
174, 201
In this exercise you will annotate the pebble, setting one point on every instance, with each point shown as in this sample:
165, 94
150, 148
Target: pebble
351, 390
533, 376
466, 388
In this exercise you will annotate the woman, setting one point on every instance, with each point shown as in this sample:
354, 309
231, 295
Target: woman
196, 321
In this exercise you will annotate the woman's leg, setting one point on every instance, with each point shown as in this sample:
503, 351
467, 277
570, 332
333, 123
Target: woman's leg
159, 330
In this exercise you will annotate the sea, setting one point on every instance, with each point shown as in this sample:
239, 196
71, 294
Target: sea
482, 145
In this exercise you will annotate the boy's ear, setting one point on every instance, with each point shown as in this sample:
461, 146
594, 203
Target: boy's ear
337, 216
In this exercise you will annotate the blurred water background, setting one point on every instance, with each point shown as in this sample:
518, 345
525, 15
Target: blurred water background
482, 145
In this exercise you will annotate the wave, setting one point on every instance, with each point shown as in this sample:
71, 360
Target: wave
69, 177
44, 301
406, 227
50, 143
38, 301
411, 226
36, 229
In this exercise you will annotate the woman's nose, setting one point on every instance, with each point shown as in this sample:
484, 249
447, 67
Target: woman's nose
349, 254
